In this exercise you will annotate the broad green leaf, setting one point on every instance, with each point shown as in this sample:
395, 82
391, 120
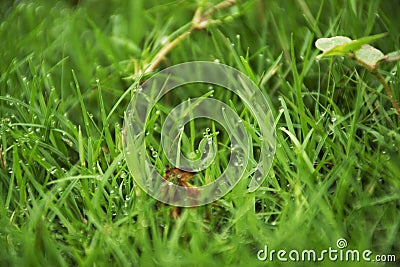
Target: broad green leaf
326, 44
357, 44
342, 45
369, 55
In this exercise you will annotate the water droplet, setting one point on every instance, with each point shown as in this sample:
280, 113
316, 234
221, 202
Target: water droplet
164, 40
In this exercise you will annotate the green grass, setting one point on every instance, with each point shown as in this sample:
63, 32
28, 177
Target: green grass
67, 196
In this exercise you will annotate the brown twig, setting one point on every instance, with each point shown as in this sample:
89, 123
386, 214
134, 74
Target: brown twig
181, 178
164, 51
2, 162
201, 20
220, 6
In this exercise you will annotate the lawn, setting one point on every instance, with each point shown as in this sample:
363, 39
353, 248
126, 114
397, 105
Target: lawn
68, 71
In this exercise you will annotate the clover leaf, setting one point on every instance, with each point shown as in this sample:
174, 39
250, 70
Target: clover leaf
363, 53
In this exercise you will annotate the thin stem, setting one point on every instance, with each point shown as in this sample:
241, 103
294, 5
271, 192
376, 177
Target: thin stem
388, 90
164, 51
200, 21
2, 162
374, 71
220, 6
